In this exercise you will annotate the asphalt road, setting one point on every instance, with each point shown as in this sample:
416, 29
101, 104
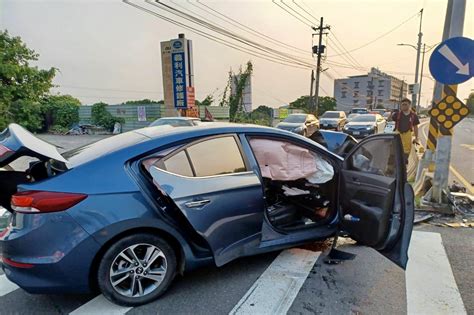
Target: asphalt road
462, 151
369, 284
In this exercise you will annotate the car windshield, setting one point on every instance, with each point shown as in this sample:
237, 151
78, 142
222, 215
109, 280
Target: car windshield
364, 118
172, 122
360, 111
295, 119
351, 116
330, 115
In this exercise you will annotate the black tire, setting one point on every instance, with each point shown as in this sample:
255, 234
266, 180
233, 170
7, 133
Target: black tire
105, 265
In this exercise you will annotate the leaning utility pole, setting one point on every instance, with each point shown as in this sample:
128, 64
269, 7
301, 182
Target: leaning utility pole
453, 27
418, 53
319, 50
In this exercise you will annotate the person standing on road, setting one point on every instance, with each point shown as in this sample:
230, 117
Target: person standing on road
406, 124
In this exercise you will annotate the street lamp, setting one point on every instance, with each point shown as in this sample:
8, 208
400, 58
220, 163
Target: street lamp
418, 50
415, 101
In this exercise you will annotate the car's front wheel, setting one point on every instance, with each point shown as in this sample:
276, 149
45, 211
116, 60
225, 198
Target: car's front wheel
136, 269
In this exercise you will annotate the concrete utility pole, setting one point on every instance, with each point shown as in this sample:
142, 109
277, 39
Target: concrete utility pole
421, 79
418, 52
453, 27
311, 99
319, 51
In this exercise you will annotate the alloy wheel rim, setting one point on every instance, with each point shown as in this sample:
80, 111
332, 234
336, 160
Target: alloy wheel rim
138, 270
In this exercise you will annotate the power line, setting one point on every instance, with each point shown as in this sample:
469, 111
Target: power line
379, 37
305, 23
299, 14
315, 18
276, 53
219, 40
244, 27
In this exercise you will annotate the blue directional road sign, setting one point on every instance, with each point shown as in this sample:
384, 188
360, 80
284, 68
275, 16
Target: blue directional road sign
452, 62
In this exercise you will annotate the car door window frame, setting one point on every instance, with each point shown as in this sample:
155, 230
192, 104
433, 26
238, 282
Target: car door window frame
160, 163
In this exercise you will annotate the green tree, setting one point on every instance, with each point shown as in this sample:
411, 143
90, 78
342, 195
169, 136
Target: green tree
27, 113
144, 101
207, 101
60, 111
22, 85
101, 117
470, 103
325, 103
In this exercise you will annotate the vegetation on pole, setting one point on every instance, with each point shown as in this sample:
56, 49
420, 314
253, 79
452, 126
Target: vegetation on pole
236, 98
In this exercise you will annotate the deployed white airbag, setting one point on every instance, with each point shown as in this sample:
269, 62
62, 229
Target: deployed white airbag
279, 160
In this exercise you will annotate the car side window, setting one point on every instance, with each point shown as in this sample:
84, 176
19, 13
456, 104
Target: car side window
216, 157
178, 164
376, 157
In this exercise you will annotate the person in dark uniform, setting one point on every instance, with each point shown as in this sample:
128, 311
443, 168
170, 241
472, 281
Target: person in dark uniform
406, 124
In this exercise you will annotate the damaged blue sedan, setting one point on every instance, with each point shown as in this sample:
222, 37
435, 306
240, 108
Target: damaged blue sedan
126, 214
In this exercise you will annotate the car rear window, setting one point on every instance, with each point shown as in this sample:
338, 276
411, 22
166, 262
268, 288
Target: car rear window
102, 147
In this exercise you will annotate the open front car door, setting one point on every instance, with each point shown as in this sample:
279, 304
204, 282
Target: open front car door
376, 202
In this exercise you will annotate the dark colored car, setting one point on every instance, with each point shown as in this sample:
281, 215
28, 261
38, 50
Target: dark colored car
360, 110
176, 121
333, 120
364, 125
128, 213
302, 124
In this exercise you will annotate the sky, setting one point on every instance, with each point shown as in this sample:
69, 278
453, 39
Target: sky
108, 51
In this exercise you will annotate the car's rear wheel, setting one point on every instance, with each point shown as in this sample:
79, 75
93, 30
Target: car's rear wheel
136, 270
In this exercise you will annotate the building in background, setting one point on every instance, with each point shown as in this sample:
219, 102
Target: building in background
178, 77
246, 99
371, 90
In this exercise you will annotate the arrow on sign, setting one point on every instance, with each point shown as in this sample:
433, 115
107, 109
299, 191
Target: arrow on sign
448, 54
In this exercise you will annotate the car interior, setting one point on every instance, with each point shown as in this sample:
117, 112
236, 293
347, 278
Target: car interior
299, 185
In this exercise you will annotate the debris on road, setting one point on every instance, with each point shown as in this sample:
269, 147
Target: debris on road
422, 217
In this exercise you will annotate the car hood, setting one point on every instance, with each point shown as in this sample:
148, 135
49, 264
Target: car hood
289, 125
16, 141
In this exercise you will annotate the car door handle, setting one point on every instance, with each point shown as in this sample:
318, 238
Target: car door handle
197, 204
356, 181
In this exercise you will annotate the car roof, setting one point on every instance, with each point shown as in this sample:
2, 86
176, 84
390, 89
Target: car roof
140, 140
179, 118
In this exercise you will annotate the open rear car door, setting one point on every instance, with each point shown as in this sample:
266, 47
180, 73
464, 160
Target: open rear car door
376, 202
16, 141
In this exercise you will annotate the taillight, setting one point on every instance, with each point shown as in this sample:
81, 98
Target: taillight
4, 150
44, 201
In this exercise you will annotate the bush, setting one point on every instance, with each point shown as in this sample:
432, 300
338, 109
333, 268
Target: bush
101, 117
27, 114
61, 110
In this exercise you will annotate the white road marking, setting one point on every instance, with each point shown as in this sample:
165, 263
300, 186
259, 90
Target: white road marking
6, 286
431, 288
278, 286
100, 306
